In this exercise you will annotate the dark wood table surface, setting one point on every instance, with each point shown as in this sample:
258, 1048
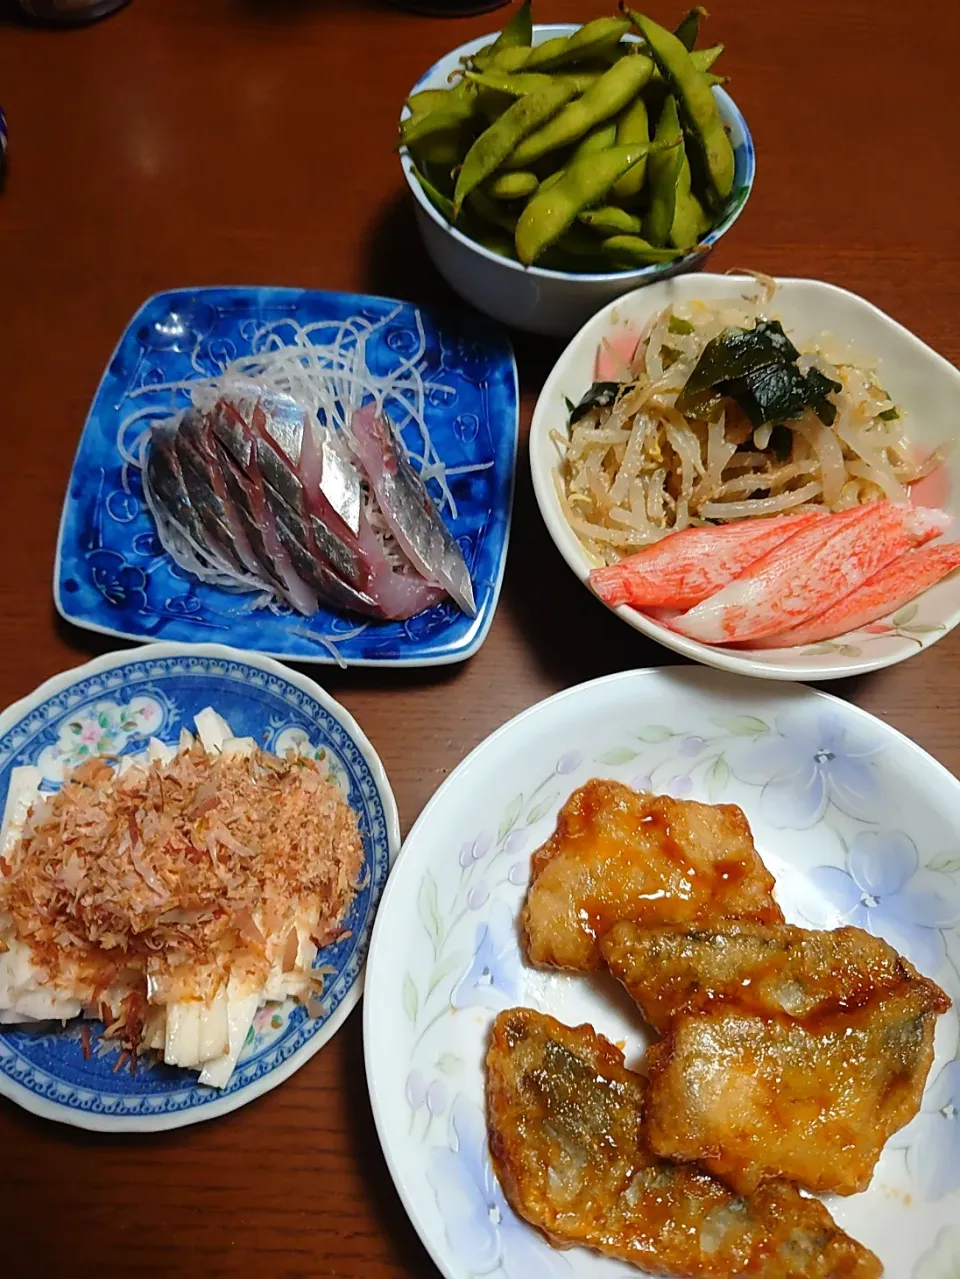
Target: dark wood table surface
191, 142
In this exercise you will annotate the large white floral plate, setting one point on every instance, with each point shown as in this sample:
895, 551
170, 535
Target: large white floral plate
857, 823
112, 705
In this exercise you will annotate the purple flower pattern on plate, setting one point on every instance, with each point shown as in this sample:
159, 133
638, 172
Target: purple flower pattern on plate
882, 891
480, 1226
493, 979
932, 1139
810, 762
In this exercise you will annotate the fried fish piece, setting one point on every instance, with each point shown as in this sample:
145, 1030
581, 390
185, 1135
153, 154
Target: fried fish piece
753, 1097
762, 968
565, 1121
620, 854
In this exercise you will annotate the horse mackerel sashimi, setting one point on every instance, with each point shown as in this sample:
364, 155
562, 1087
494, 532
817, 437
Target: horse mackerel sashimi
810, 572
252, 494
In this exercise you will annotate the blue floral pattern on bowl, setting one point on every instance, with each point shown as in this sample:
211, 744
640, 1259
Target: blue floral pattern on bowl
113, 576
69, 1072
819, 782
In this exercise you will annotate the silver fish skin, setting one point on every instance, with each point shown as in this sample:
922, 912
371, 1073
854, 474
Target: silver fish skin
409, 509
249, 492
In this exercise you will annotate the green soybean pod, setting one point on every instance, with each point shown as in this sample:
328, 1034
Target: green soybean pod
687, 210
697, 102
598, 139
590, 40
703, 59
632, 126
443, 204
584, 182
439, 150
500, 139
455, 112
518, 185
521, 82
663, 168
517, 34
611, 220
491, 212
604, 99
630, 250
428, 100
551, 181
689, 28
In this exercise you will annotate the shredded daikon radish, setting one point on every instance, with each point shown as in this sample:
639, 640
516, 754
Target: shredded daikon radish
637, 469
323, 365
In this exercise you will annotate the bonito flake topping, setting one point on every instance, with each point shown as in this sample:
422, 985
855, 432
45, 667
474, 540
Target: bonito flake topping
176, 894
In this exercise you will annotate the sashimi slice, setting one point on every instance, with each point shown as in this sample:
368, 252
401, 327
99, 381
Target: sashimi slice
687, 567
897, 584
810, 572
615, 354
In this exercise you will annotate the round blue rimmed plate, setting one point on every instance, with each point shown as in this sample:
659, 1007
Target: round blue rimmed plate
112, 705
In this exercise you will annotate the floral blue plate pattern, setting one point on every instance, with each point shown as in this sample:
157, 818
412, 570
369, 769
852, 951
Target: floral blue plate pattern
857, 824
114, 704
111, 573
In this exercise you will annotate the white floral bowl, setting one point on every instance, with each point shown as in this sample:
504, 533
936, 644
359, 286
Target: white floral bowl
921, 382
534, 298
855, 821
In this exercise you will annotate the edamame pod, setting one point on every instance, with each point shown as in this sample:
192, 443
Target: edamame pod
489, 211
631, 250
584, 182
598, 139
500, 139
522, 82
511, 186
589, 41
517, 34
443, 204
611, 220
632, 126
609, 95
662, 170
697, 102
457, 111
428, 100
689, 28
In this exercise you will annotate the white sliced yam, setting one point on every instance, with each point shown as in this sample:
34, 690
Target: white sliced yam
23, 790
212, 729
214, 1030
241, 1008
159, 752
182, 1043
187, 740
239, 746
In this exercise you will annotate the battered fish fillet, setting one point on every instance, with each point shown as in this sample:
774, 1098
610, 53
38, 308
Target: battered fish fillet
753, 1097
565, 1121
763, 969
617, 854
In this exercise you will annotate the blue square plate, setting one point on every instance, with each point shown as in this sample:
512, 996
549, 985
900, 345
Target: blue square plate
111, 573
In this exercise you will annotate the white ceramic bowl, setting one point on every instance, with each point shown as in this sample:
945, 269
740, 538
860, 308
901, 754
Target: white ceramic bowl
534, 298
921, 382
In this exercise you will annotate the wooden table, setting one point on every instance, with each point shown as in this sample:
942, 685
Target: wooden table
250, 141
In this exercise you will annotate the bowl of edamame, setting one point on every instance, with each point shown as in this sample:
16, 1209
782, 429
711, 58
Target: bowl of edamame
554, 168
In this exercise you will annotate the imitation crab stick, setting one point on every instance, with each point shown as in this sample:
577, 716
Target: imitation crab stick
689, 566
614, 355
885, 592
810, 572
